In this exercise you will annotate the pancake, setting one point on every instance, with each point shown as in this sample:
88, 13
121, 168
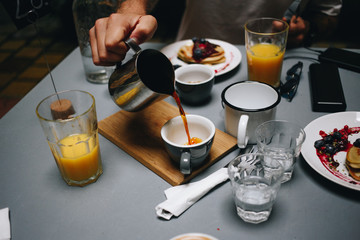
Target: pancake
354, 173
352, 162
202, 51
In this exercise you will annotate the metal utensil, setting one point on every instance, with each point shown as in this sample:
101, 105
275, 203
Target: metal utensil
146, 78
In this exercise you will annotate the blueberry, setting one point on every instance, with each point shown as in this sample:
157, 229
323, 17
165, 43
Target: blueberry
202, 40
319, 143
328, 139
197, 53
341, 147
330, 149
337, 135
357, 143
194, 39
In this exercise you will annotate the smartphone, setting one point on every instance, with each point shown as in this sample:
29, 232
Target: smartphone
343, 58
325, 87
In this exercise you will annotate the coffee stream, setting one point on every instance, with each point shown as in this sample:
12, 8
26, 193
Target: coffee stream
193, 140
183, 115
151, 63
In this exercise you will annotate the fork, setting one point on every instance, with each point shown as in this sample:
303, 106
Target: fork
253, 149
248, 164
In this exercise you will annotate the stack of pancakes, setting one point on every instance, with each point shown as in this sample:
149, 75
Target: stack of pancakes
353, 161
216, 56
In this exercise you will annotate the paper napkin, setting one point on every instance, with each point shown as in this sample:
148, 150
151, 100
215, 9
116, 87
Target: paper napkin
180, 198
4, 224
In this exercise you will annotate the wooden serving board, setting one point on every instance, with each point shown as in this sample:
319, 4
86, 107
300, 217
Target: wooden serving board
138, 133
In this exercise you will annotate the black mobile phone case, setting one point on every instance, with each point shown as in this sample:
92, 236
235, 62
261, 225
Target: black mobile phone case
342, 58
325, 86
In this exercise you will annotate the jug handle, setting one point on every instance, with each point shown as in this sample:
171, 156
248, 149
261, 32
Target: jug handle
131, 43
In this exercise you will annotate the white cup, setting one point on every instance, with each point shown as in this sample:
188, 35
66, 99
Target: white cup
174, 136
248, 104
194, 83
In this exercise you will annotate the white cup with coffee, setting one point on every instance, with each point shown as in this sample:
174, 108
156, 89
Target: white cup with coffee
248, 104
176, 142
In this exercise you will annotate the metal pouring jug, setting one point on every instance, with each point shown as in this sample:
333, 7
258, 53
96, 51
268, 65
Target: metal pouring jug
146, 78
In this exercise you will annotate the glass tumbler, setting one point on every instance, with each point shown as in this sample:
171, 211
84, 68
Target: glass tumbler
69, 122
85, 13
282, 140
255, 180
265, 43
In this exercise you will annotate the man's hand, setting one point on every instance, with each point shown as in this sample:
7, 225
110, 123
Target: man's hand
108, 35
298, 31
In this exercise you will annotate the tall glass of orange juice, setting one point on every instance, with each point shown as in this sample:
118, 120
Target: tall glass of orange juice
265, 43
70, 125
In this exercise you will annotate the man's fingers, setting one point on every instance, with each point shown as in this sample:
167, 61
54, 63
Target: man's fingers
93, 44
118, 30
297, 26
144, 29
101, 37
108, 35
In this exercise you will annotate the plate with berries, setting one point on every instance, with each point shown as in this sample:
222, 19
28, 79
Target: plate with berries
332, 147
221, 56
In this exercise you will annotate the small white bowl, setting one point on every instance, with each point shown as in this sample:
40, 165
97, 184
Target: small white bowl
194, 82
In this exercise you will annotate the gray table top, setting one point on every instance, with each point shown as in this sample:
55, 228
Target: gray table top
121, 204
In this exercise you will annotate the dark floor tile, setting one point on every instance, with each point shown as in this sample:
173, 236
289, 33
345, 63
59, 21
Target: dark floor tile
6, 104
17, 89
29, 52
52, 58
63, 47
6, 78
12, 45
15, 65
34, 72
4, 56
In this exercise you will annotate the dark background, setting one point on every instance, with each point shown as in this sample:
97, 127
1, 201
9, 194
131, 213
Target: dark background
22, 63
169, 12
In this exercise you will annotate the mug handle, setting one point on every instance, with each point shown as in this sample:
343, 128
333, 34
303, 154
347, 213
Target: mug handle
185, 164
242, 138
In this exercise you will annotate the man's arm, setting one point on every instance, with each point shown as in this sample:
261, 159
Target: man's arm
141, 7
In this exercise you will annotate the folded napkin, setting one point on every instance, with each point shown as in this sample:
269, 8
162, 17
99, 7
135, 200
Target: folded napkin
180, 198
4, 224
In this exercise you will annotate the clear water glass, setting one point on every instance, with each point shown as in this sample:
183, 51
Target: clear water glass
282, 141
255, 181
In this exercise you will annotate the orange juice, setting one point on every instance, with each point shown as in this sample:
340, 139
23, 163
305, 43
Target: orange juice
265, 63
80, 157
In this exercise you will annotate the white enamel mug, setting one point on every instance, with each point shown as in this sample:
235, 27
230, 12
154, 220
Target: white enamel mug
248, 104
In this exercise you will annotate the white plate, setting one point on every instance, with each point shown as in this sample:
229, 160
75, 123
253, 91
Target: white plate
327, 123
232, 55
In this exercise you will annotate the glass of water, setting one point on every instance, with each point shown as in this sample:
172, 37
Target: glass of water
255, 180
281, 140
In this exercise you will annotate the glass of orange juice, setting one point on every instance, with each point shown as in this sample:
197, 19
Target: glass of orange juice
70, 125
265, 43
